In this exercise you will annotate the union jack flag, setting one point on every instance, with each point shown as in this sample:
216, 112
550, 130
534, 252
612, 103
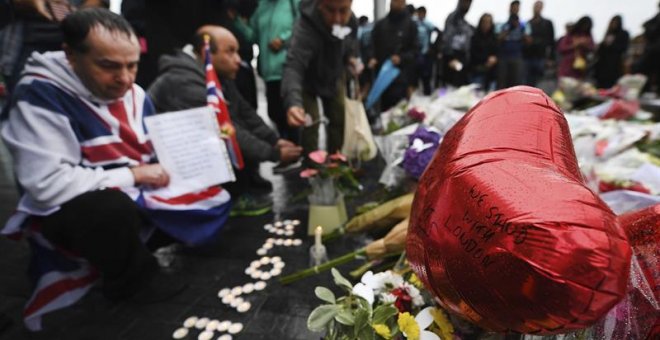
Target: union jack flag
216, 101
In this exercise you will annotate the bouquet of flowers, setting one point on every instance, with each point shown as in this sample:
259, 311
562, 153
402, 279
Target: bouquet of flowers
380, 306
327, 174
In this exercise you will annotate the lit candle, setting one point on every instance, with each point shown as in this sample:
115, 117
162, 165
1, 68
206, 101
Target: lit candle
317, 237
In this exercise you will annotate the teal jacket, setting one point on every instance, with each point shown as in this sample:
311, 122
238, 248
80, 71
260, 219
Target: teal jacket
272, 19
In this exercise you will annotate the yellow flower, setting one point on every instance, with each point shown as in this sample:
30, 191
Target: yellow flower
414, 279
446, 328
408, 326
382, 330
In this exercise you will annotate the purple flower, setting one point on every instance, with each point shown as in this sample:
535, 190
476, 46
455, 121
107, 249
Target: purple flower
421, 148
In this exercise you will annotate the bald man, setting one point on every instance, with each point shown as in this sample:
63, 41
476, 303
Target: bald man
181, 84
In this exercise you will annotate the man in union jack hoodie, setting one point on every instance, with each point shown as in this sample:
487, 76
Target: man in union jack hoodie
87, 170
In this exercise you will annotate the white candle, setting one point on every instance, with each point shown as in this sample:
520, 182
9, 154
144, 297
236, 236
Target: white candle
201, 323
243, 307
180, 333
190, 322
317, 237
225, 337
260, 285
224, 326
205, 335
224, 292
235, 328
212, 325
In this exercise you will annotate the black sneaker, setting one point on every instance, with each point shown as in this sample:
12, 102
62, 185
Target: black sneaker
280, 168
250, 205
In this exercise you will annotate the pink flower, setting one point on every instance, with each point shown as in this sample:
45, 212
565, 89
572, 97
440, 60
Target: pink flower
307, 173
318, 156
338, 156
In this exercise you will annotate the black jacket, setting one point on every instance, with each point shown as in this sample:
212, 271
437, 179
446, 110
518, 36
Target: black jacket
181, 85
395, 34
483, 45
543, 40
316, 59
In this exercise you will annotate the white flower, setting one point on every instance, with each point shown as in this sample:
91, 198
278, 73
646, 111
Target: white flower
364, 291
414, 293
424, 319
386, 298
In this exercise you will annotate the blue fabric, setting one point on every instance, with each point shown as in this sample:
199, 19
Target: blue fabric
388, 72
192, 227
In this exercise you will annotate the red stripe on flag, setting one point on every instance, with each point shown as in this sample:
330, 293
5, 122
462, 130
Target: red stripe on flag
190, 198
48, 294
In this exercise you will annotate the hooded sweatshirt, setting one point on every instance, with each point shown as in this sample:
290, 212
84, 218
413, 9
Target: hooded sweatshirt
65, 142
181, 85
316, 59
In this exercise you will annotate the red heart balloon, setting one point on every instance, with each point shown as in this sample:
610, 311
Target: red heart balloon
503, 229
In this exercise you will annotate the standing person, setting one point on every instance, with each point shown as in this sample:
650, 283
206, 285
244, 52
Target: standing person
425, 59
574, 48
364, 47
610, 54
322, 46
511, 35
270, 28
649, 60
245, 81
395, 38
539, 49
456, 45
483, 63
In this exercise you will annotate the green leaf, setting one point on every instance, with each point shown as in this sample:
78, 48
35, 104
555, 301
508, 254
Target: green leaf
341, 281
320, 317
383, 313
325, 294
367, 333
345, 317
361, 321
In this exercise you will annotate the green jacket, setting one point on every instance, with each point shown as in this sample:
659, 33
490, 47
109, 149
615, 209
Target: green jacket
272, 19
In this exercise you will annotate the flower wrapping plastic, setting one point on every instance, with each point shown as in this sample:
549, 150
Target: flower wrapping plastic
504, 230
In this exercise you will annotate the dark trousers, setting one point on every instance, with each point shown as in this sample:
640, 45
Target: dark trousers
424, 71
103, 227
334, 111
277, 113
535, 71
510, 72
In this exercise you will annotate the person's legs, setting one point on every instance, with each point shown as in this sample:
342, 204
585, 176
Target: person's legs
334, 109
426, 71
310, 134
103, 227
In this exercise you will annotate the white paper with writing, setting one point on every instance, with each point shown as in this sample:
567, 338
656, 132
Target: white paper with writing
189, 147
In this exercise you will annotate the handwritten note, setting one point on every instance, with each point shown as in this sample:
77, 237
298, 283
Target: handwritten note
189, 147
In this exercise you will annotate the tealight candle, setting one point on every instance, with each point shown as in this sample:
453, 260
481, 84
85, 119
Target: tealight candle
223, 292
279, 242
223, 326
201, 323
190, 322
262, 251
237, 301
278, 265
265, 276
289, 227
288, 243
278, 224
256, 274
260, 285
295, 222
235, 328
212, 325
265, 260
228, 299
275, 271
297, 242
205, 335
275, 259
267, 246
225, 337
238, 290
286, 222
279, 232
243, 307
268, 226
248, 288
180, 333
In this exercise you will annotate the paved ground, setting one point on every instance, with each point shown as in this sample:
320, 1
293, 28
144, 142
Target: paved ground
277, 312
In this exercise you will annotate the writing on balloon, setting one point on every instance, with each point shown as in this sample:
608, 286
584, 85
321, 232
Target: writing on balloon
497, 221
469, 244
